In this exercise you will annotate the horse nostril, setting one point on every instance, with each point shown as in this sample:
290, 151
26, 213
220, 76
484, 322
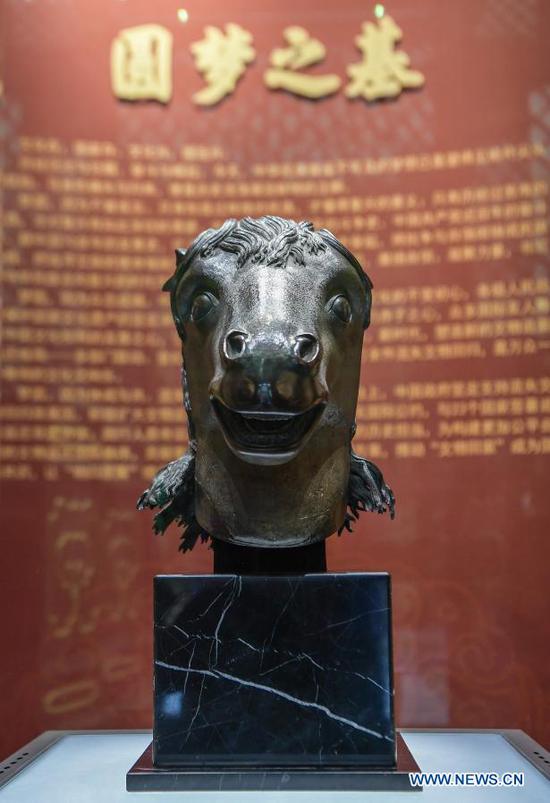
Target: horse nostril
235, 345
287, 387
306, 348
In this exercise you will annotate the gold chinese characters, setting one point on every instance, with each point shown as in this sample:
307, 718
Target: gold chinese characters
384, 72
302, 51
141, 63
221, 59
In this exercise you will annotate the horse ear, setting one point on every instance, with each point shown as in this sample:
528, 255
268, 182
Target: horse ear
169, 285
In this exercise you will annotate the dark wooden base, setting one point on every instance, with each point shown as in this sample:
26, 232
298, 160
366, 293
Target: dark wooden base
145, 777
234, 559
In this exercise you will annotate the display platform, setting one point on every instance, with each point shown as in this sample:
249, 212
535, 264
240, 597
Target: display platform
84, 766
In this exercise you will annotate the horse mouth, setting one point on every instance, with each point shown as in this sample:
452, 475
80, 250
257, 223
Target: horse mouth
266, 432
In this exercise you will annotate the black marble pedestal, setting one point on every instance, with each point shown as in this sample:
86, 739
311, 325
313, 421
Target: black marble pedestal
280, 672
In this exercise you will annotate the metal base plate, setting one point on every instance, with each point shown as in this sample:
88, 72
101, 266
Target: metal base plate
145, 777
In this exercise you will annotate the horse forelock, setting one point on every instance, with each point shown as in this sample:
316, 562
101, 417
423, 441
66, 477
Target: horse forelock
271, 240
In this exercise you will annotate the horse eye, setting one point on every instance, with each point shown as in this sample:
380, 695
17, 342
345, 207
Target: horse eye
201, 306
340, 306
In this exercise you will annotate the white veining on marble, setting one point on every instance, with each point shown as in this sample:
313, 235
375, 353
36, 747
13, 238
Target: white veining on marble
303, 655
216, 673
235, 591
349, 621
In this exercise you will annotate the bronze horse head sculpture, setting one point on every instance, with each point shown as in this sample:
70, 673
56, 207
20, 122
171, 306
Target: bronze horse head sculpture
271, 314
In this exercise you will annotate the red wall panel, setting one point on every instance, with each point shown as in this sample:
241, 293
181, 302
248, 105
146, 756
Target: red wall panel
443, 195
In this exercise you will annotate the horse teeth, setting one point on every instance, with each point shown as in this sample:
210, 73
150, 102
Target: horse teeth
266, 431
